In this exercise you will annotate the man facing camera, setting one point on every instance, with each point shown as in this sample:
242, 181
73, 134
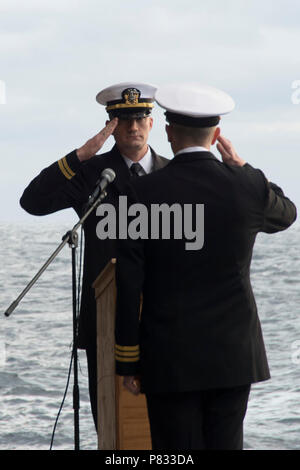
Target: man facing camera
197, 345
70, 181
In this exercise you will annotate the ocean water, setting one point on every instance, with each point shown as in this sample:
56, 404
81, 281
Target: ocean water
36, 343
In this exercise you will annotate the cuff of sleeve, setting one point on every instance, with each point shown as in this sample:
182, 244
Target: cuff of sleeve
127, 359
132, 368
69, 165
276, 188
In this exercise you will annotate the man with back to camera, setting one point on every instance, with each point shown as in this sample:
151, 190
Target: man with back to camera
197, 345
70, 181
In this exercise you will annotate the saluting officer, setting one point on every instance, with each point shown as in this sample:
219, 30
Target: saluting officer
197, 345
69, 182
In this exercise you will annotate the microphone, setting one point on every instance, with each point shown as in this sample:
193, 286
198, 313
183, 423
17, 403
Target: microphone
107, 176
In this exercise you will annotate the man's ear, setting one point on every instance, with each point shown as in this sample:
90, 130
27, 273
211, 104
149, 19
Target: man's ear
216, 135
169, 132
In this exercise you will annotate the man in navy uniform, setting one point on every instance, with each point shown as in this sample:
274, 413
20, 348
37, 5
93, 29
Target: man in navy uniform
197, 346
70, 181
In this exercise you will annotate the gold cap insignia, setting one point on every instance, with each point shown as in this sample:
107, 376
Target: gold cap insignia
131, 96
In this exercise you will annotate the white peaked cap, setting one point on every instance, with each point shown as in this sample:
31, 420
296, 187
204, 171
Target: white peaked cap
115, 92
193, 103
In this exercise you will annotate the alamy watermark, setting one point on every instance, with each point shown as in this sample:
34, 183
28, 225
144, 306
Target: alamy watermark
2, 92
160, 222
296, 94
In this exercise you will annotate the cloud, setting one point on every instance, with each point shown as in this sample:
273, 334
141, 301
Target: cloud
56, 56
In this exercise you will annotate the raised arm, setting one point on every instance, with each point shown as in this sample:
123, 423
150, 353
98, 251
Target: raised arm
279, 211
63, 184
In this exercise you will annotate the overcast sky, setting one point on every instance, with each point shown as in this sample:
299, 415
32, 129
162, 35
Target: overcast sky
56, 55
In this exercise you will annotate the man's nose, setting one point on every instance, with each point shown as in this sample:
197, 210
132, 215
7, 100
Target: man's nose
132, 125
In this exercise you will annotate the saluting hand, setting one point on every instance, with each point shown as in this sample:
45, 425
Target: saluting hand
91, 147
228, 152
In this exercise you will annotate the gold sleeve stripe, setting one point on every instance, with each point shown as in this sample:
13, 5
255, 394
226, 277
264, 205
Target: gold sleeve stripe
68, 169
62, 169
127, 359
65, 169
127, 354
127, 348
124, 105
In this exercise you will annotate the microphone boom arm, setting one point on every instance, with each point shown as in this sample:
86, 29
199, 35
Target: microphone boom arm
69, 237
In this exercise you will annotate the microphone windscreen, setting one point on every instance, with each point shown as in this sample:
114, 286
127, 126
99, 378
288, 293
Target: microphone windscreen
109, 174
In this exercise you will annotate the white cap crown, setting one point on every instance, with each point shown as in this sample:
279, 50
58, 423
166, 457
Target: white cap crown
194, 103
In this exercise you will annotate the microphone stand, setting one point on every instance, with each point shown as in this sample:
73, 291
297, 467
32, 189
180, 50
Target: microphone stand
71, 237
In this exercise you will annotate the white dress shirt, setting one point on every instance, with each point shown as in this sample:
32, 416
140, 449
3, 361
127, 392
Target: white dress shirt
192, 149
146, 162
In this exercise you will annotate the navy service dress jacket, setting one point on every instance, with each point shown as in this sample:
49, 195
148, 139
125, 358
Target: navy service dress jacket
69, 183
198, 328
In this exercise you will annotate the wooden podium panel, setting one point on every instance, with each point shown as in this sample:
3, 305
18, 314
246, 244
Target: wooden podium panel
122, 417
133, 432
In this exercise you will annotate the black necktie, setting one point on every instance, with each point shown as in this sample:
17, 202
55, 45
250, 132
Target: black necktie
136, 170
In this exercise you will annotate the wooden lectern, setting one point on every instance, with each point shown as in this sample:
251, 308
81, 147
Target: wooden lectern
122, 417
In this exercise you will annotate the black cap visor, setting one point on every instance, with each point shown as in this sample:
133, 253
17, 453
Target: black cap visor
190, 121
130, 113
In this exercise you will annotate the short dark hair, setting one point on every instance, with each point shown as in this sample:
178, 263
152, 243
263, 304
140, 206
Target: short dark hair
199, 135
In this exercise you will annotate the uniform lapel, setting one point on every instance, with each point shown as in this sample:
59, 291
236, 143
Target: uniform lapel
158, 161
117, 163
